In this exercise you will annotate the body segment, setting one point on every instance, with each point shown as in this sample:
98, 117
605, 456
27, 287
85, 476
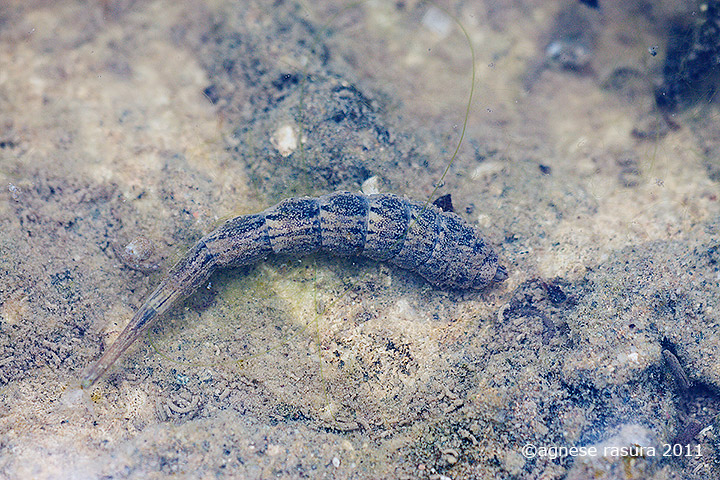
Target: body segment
438, 245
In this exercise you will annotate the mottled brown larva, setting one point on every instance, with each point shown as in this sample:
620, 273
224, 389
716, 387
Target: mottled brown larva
438, 245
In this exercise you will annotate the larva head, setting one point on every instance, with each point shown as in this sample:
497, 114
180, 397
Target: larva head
460, 257
488, 272
480, 263
500, 275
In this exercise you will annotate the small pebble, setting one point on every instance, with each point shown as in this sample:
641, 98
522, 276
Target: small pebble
285, 140
371, 185
14, 191
136, 254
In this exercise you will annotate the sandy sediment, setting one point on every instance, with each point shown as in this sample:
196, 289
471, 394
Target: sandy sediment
132, 124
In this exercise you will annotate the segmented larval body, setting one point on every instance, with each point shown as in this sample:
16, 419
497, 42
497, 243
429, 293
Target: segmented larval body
438, 245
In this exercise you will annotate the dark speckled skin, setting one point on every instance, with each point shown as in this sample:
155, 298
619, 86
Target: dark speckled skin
438, 245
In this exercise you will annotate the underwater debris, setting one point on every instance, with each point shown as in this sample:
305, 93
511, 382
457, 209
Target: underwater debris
692, 62
444, 203
681, 379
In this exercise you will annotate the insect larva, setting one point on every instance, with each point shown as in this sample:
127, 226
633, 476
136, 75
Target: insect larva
438, 245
